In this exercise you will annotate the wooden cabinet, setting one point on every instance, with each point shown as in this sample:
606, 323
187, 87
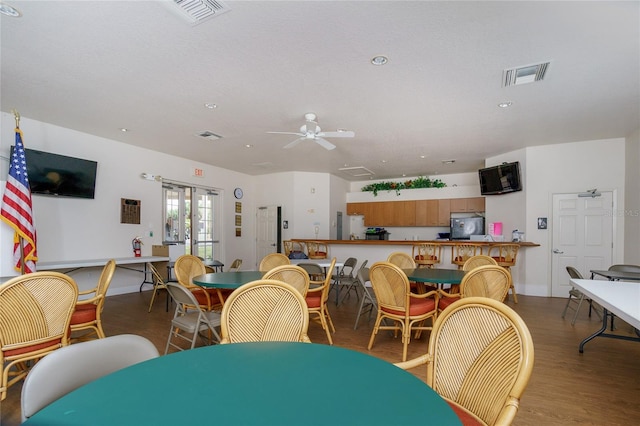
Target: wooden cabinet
465, 205
414, 213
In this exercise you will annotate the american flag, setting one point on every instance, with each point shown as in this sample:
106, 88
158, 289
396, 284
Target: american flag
16, 209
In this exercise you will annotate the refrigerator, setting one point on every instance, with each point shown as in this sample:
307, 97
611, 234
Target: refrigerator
463, 228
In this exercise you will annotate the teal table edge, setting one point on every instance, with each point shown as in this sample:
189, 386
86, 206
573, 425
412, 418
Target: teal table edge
228, 280
437, 276
267, 383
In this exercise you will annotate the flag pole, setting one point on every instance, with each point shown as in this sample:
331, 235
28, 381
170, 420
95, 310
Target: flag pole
16, 115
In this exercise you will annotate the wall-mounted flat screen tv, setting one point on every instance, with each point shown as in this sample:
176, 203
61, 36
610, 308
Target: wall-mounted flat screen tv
59, 175
500, 179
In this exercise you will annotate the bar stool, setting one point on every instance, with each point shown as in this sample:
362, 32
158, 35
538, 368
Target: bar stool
505, 255
427, 255
460, 253
317, 250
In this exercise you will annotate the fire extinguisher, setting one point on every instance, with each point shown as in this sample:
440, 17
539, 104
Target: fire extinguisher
137, 243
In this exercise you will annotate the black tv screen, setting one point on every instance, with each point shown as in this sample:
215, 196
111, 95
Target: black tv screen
500, 179
59, 175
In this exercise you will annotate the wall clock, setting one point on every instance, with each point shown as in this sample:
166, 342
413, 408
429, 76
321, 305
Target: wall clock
238, 193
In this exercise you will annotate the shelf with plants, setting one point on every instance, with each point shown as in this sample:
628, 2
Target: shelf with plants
419, 182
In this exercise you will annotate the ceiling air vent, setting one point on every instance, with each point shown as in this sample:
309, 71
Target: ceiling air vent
358, 171
524, 74
209, 135
198, 11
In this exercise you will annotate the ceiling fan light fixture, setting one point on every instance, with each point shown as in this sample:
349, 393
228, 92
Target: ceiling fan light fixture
7, 10
379, 60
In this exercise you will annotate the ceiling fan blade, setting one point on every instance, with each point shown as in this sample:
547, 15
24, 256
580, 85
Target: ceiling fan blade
294, 143
338, 134
325, 143
286, 133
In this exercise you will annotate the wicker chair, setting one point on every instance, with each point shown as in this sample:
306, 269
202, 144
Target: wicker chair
158, 284
265, 310
188, 266
402, 260
427, 255
70, 367
34, 321
479, 260
235, 265
189, 317
577, 297
505, 255
461, 252
480, 360
490, 281
87, 316
407, 310
317, 250
292, 246
272, 260
293, 275
317, 301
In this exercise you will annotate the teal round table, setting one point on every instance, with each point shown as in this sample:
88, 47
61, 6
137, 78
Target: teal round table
267, 383
229, 280
435, 276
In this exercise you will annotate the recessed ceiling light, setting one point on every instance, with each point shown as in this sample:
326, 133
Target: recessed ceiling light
248, 145
422, 156
124, 129
5, 9
505, 104
383, 161
210, 105
448, 161
379, 60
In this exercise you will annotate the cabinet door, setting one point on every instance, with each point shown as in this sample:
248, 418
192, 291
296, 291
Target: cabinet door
475, 204
421, 212
355, 209
432, 212
405, 213
458, 205
373, 214
444, 213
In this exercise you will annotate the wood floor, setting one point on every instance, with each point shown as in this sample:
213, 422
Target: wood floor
599, 387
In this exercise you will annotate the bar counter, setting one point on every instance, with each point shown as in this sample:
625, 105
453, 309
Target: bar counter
413, 242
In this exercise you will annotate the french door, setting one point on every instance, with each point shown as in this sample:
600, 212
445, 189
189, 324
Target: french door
192, 218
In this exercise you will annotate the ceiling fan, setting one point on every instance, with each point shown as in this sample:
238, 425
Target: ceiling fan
311, 131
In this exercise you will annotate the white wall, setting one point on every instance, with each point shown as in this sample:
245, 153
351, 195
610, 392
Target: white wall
337, 203
79, 229
550, 169
632, 199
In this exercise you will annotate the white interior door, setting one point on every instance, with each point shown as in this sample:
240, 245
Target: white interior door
582, 237
266, 232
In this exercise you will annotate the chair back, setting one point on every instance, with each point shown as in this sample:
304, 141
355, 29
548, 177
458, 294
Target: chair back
475, 339
479, 260
188, 266
68, 368
265, 310
292, 246
326, 283
35, 314
317, 250
625, 268
272, 260
390, 285
504, 254
183, 297
402, 260
348, 269
460, 253
235, 265
105, 280
427, 254
293, 275
491, 281
574, 273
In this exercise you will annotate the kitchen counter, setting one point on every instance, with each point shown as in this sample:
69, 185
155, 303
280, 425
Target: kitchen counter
412, 242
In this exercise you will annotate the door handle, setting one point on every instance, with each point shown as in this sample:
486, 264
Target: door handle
556, 251
273, 245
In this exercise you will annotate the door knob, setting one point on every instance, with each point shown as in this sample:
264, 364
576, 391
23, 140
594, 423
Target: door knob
556, 251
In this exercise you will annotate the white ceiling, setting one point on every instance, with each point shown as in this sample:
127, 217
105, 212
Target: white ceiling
99, 66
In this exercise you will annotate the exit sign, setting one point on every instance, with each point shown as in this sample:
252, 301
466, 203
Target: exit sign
198, 172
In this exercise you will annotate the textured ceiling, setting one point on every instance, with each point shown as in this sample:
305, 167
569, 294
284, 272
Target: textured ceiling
99, 66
